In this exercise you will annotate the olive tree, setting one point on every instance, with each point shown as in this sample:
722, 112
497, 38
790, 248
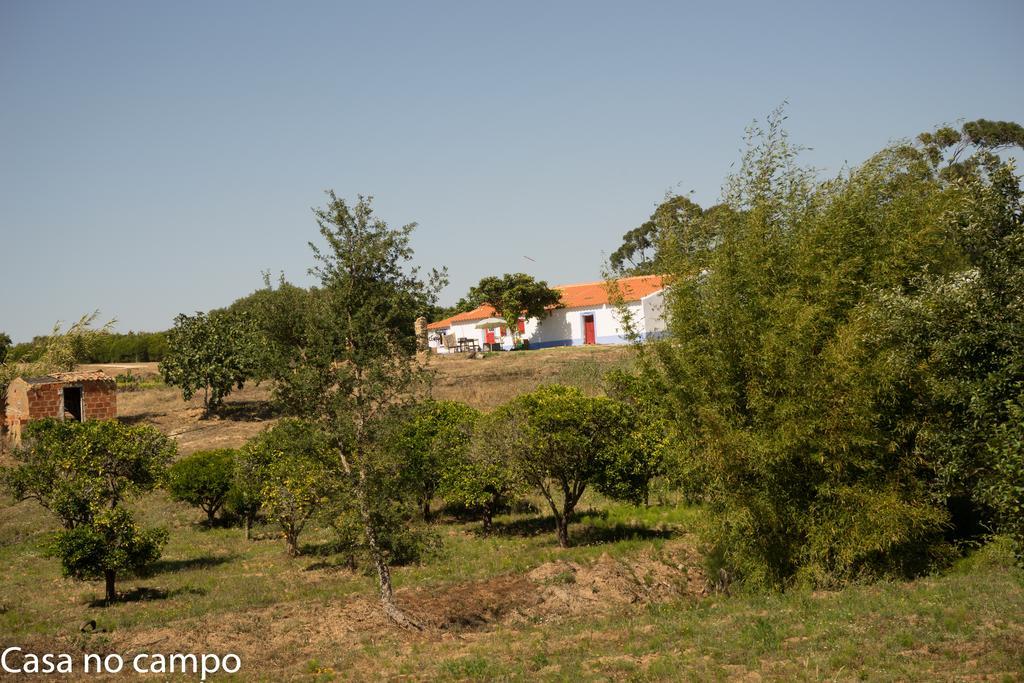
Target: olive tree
82, 473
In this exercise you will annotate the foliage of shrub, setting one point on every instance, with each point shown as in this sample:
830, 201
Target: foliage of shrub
841, 353
203, 479
288, 465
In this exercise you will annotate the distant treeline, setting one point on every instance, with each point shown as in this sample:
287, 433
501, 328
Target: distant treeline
132, 347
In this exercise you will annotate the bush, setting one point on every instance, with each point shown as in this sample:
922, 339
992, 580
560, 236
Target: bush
203, 479
430, 442
287, 467
841, 352
560, 441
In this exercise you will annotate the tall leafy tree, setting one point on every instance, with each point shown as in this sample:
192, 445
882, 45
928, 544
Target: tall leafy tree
5, 346
357, 363
675, 222
803, 381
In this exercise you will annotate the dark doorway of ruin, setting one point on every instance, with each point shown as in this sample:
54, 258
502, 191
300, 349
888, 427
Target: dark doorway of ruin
73, 403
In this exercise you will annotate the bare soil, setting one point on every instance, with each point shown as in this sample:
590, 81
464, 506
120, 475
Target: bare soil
278, 636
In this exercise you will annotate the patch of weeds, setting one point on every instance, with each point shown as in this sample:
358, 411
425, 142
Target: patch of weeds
319, 671
472, 667
562, 578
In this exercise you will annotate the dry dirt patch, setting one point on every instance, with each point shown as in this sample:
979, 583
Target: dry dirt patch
281, 635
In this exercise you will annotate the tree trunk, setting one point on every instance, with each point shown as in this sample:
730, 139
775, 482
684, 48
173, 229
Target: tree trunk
387, 594
248, 527
109, 577
292, 539
562, 530
426, 509
488, 519
210, 513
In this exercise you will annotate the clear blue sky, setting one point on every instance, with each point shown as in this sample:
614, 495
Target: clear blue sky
156, 157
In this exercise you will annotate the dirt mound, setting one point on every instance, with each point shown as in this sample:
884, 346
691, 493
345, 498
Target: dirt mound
278, 636
563, 588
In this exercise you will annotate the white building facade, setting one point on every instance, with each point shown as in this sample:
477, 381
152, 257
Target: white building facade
587, 316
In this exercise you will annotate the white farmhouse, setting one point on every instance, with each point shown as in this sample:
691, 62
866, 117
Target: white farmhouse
587, 316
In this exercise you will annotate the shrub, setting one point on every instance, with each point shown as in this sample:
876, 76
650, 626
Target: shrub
203, 479
560, 441
288, 465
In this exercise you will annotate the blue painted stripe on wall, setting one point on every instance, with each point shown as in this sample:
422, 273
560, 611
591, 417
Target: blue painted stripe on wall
613, 339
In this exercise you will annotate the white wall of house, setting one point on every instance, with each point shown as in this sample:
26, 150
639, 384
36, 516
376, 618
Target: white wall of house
564, 326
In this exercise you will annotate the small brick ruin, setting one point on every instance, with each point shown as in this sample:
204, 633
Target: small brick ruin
64, 395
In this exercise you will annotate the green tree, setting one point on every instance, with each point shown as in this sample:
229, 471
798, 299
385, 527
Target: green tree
110, 545
280, 315
645, 453
481, 475
82, 473
428, 442
214, 353
514, 296
290, 463
675, 223
561, 441
5, 346
203, 479
792, 386
358, 363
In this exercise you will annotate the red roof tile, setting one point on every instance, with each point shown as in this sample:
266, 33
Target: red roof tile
596, 293
573, 296
478, 313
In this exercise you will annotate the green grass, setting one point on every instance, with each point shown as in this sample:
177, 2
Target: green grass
966, 621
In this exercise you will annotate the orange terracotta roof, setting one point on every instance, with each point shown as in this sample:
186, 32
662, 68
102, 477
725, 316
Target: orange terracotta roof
478, 313
596, 293
573, 296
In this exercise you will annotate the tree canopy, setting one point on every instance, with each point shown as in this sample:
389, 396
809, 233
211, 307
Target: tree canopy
843, 352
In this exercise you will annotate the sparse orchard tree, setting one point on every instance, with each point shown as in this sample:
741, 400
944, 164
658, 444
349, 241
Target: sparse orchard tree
203, 479
213, 353
357, 363
561, 441
429, 442
290, 462
82, 473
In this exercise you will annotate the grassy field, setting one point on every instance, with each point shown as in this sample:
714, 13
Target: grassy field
629, 600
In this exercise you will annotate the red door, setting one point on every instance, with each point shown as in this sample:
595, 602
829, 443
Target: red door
588, 330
